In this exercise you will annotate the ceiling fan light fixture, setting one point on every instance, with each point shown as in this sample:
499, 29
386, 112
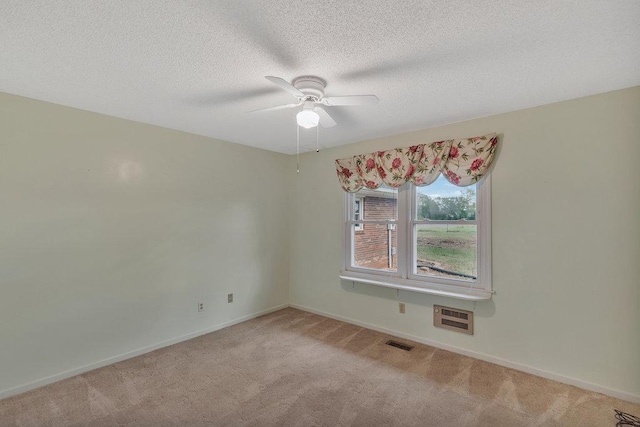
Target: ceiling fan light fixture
307, 119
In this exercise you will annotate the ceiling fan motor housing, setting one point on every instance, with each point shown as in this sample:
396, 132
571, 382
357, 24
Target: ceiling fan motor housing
311, 86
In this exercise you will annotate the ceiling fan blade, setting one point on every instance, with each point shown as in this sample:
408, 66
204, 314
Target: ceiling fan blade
285, 85
213, 98
330, 101
325, 119
278, 107
258, 31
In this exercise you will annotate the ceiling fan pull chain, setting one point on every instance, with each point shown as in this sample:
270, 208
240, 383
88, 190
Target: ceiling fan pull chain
297, 148
317, 139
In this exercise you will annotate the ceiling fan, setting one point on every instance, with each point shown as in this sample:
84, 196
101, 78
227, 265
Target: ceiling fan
309, 90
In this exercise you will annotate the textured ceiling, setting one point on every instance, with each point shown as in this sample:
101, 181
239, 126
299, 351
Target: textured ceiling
199, 66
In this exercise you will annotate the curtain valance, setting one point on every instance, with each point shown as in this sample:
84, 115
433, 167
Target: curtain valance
462, 162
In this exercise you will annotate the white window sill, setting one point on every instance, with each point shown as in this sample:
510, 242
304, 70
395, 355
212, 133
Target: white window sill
442, 290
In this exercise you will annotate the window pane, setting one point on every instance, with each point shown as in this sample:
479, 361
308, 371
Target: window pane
444, 201
447, 250
378, 204
375, 247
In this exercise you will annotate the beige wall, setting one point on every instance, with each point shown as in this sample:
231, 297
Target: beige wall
112, 231
566, 243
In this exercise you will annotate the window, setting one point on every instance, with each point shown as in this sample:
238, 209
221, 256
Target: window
433, 239
358, 210
374, 248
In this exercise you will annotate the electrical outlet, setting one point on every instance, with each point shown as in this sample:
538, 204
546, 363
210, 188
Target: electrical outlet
200, 306
230, 298
402, 311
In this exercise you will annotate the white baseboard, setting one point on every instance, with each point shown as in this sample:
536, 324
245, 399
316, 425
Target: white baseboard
128, 355
482, 356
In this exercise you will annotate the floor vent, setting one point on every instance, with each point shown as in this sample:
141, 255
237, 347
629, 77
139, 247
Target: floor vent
399, 345
453, 319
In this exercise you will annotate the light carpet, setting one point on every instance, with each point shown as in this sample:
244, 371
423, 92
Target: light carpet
294, 368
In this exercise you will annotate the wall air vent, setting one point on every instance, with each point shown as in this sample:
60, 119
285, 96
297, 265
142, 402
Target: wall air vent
453, 319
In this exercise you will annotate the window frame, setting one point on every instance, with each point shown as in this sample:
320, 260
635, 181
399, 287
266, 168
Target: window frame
405, 277
360, 200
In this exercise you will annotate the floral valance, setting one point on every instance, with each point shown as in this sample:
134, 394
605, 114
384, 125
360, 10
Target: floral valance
462, 162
